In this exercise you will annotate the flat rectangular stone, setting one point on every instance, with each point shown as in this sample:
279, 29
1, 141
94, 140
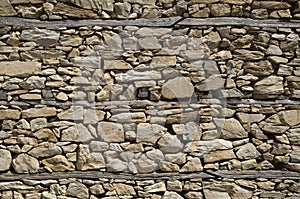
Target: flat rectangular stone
39, 112
19, 68
9, 114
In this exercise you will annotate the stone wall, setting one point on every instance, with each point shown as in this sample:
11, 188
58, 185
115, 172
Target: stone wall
168, 105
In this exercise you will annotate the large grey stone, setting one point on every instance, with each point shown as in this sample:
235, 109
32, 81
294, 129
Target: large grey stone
177, 88
43, 37
247, 151
5, 160
155, 32
170, 144
78, 190
149, 133
45, 150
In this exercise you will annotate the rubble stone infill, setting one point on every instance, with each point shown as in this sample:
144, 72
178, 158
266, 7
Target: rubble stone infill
149, 108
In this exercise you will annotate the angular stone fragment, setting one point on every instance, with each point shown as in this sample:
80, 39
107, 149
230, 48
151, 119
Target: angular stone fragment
294, 136
273, 5
45, 150
59, 163
5, 160
43, 37
111, 132
149, 133
124, 189
19, 68
136, 117
219, 10
149, 43
206, 146
230, 128
290, 117
77, 133
116, 165
274, 50
6, 10
146, 165
45, 135
268, 88
87, 160
216, 156
39, 112
118, 65
71, 11
73, 113
250, 118
24, 163
261, 68
34, 82
213, 194
78, 190
170, 144
177, 88
243, 54
7, 114
190, 131
171, 195
97, 189
193, 165
247, 151
163, 61
157, 187
93, 116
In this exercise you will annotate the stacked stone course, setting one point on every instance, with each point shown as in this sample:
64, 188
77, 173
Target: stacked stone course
153, 103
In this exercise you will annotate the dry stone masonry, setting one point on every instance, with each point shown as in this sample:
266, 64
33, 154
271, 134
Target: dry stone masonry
149, 99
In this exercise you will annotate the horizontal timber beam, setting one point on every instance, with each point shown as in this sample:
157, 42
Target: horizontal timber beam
161, 22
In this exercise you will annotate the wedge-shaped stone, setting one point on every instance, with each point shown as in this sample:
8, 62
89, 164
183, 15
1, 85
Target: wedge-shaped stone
39, 112
230, 128
6, 9
149, 133
216, 156
19, 68
59, 163
268, 88
73, 113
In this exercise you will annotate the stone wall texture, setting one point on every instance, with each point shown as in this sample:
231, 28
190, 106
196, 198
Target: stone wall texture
155, 99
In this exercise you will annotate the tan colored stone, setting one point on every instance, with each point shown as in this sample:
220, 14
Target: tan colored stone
250, 118
179, 87
24, 163
5, 160
290, 117
216, 156
39, 112
73, 113
268, 88
87, 160
231, 128
30, 97
19, 68
111, 132
163, 61
124, 189
77, 133
59, 163
71, 11
6, 9
118, 65
9, 114
193, 165
78, 190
